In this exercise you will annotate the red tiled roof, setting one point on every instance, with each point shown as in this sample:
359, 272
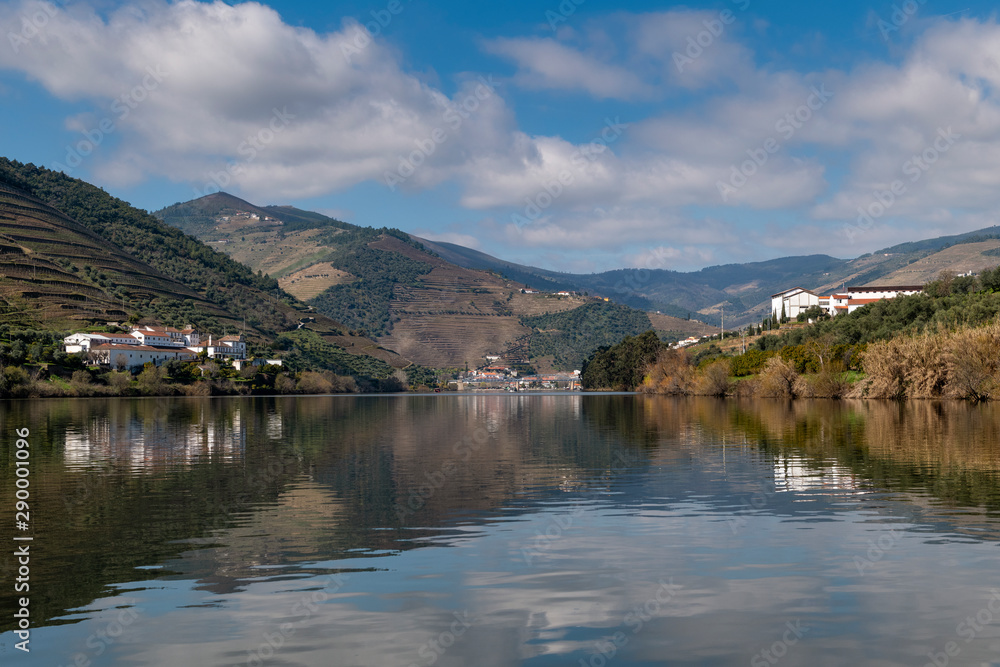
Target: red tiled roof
139, 348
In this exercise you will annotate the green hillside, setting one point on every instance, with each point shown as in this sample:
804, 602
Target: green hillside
58, 272
571, 336
743, 291
385, 284
72, 255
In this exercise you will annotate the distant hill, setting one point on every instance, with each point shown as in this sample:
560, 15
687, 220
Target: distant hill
72, 255
743, 291
442, 304
386, 284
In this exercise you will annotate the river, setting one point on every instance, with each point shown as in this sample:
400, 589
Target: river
539, 530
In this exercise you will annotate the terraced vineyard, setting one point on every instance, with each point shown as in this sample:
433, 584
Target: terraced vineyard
419, 305
54, 270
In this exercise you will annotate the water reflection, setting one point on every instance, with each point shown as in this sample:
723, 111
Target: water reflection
551, 520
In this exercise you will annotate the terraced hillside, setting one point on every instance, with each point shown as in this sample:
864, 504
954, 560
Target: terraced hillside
55, 270
452, 317
71, 254
380, 282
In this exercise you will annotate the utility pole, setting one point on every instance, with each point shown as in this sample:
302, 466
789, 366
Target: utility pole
722, 326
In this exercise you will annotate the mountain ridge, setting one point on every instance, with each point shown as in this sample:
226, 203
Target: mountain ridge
64, 242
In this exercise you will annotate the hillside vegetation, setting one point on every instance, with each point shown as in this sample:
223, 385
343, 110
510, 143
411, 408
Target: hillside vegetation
72, 256
205, 273
743, 290
385, 284
56, 271
566, 336
944, 343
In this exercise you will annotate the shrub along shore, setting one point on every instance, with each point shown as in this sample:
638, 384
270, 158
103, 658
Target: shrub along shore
963, 363
182, 380
944, 343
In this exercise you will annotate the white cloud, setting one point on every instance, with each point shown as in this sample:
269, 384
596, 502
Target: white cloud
547, 64
294, 112
208, 93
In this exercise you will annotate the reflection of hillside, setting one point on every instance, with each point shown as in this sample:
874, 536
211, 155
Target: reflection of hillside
942, 455
299, 527
215, 489
222, 491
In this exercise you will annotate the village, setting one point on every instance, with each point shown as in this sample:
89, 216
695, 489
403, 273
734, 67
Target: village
501, 377
155, 345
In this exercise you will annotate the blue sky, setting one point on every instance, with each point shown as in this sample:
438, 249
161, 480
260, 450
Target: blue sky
579, 135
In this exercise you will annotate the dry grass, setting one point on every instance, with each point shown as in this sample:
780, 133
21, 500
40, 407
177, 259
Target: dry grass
311, 281
778, 380
959, 364
672, 374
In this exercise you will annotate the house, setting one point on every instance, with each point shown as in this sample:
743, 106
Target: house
797, 300
83, 342
227, 347
240, 364
132, 355
856, 297
793, 301
148, 335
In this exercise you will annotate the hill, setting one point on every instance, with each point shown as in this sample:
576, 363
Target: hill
71, 254
743, 291
386, 284
444, 305
54, 271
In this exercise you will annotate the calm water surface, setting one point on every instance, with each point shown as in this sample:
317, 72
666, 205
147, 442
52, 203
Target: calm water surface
505, 530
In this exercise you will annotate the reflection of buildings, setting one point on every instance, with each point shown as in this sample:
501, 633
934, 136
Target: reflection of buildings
153, 345
138, 443
794, 474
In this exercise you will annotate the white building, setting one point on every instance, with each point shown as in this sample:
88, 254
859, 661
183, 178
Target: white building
797, 300
856, 297
793, 301
165, 336
129, 356
83, 342
228, 347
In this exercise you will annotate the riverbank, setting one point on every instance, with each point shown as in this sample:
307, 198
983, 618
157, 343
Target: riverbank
16, 382
963, 363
